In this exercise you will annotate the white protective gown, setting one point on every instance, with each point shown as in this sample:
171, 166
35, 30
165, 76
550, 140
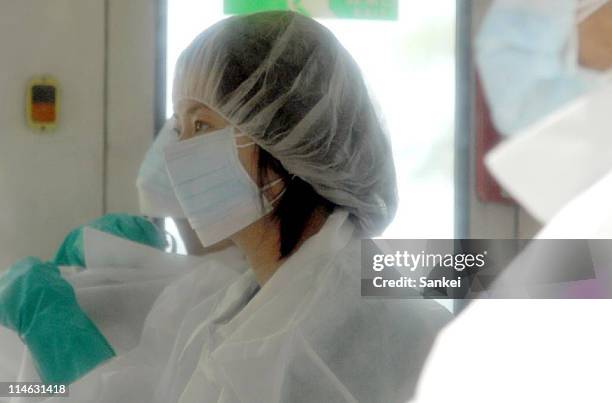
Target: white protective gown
306, 336
526, 350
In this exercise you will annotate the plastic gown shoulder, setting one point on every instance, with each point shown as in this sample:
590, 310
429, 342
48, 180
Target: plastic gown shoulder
374, 348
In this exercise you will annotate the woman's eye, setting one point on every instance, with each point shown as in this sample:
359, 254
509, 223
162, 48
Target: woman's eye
199, 125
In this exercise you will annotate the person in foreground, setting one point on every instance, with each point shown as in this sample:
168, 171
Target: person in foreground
278, 149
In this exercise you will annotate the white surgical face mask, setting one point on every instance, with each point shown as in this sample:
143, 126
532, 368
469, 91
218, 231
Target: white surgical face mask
218, 196
155, 192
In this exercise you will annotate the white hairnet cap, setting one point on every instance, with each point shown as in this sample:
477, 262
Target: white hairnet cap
285, 80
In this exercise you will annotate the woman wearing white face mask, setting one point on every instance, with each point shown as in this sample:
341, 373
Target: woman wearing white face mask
228, 186
279, 149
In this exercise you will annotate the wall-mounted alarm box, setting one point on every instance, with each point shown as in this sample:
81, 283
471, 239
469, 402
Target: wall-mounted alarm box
42, 103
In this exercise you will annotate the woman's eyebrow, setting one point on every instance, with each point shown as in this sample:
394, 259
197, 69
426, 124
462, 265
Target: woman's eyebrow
195, 108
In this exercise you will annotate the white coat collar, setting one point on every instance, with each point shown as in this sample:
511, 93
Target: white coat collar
313, 256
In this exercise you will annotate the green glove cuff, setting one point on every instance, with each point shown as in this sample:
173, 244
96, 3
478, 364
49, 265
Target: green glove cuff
66, 345
134, 228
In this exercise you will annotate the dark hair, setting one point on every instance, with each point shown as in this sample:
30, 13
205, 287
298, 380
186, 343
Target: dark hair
295, 207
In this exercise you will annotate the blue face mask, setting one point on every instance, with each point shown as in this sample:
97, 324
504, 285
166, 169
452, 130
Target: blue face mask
527, 54
216, 193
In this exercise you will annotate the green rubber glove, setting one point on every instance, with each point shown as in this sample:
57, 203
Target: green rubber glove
37, 303
134, 228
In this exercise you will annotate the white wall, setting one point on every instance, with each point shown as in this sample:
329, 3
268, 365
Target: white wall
131, 79
50, 182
